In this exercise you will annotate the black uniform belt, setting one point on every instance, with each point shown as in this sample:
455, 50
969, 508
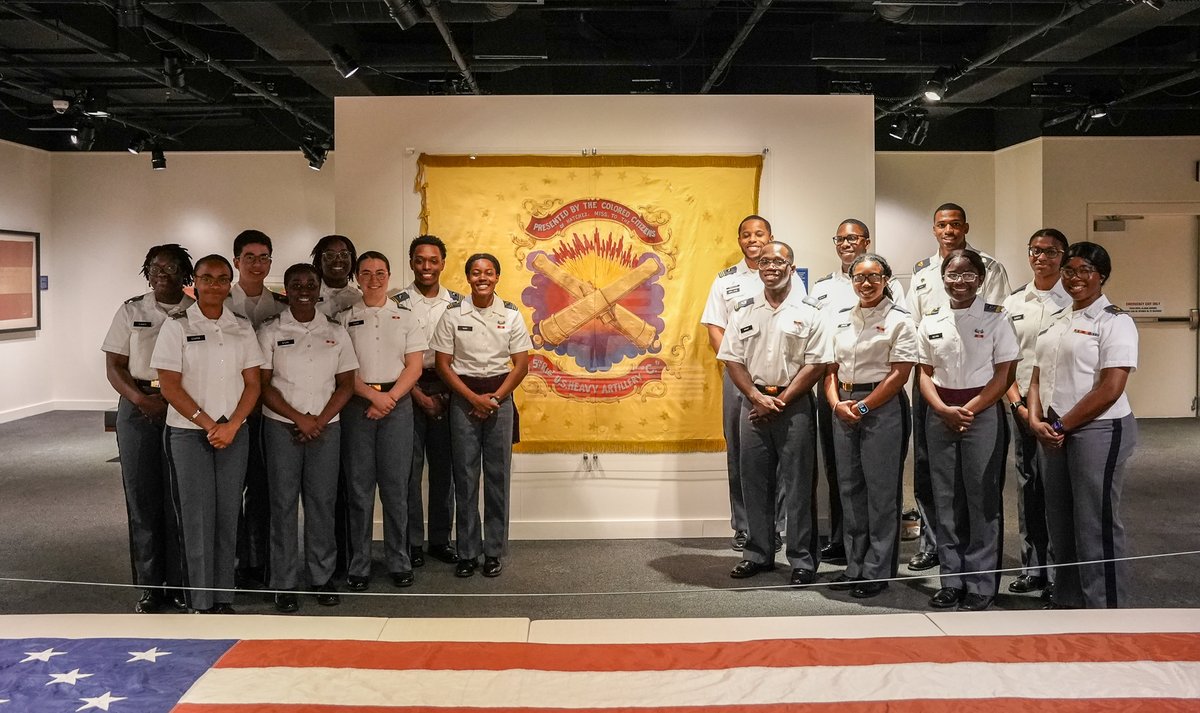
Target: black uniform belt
769, 390
847, 386
147, 387
958, 397
431, 384
386, 386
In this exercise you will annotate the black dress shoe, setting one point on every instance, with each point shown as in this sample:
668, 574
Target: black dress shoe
150, 603
178, 601
923, 560
1048, 592
1026, 583
286, 602
445, 553
866, 590
248, 578
946, 597
803, 576
834, 553
778, 542
403, 579
746, 568
975, 602
357, 584
739, 540
1055, 605
843, 583
492, 566
416, 556
222, 608
464, 568
327, 595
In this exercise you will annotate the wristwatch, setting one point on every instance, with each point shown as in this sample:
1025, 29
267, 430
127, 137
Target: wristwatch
863, 408
1057, 427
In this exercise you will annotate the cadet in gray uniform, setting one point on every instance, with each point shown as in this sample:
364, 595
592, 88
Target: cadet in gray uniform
950, 228
428, 300
476, 340
734, 284
967, 351
307, 379
250, 297
874, 348
207, 359
377, 435
153, 542
836, 293
1079, 412
775, 351
1030, 308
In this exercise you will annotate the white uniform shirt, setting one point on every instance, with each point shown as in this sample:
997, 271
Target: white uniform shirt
836, 292
382, 336
305, 357
256, 309
334, 300
481, 340
866, 342
774, 343
964, 346
134, 330
1030, 311
1076, 346
429, 312
927, 291
210, 354
734, 284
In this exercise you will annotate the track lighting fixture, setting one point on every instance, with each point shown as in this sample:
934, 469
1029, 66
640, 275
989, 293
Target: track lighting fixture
343, 62
935, 88
899, 127
95, 103
173, 71
315, 150
136, 144
406, 13
84, 135
158, 160
912, 127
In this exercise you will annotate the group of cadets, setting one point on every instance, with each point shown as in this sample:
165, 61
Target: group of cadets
830, 367
241, 406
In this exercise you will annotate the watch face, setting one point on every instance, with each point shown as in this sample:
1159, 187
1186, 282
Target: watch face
863, 409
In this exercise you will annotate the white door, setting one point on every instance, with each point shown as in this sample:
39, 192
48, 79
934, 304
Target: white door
1155, 277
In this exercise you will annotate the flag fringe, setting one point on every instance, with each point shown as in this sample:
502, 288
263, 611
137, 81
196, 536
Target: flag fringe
693, 445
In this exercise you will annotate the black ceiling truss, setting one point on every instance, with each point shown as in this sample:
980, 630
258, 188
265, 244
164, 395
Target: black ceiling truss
261, 74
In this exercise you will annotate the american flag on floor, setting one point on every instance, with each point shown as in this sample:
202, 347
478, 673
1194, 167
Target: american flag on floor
1067, 673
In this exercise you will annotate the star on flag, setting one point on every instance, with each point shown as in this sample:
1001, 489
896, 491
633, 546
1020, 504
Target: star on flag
99, 702
41, 655
71, 678
150, 655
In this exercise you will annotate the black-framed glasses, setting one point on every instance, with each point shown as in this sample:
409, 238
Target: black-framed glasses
873, 277
1084, 271
168, 269
332, 255
1048, 252
968, 278
774, 262
841, 239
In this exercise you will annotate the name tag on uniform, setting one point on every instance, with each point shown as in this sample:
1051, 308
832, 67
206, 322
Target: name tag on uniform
356, 323
285, 342
921, 286
936, 336
142, 324
733, 290
843, 326
196, 338
747, 328
1016, 317
465, 328
1084, 331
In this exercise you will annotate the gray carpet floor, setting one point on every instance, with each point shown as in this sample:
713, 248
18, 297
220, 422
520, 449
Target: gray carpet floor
62, 517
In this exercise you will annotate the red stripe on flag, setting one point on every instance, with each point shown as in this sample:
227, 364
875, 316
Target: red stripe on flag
455, 656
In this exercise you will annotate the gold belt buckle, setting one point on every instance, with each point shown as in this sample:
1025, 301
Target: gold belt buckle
377, 387
154, 384
847, 386
771, 390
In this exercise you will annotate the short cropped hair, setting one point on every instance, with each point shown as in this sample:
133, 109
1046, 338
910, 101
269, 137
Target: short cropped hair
951, 206
755, 217
250, 237
426, 240
482, 256
1095, 254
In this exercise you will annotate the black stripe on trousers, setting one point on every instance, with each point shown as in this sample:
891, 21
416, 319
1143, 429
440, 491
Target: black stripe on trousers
1106, 515
177, 508
906, 433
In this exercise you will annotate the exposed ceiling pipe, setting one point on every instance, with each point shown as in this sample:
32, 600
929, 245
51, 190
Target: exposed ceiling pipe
376, 13
759, 10
1157, 87
435, 15
187, 13
29, 89
974, 13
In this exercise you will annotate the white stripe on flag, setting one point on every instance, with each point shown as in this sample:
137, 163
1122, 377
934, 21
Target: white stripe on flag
753, 685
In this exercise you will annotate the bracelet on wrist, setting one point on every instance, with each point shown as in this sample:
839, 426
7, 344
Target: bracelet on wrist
192, 418
1018, 404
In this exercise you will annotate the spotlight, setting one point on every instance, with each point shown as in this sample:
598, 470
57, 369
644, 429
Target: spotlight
935, 88
899, 127
406, 13
129, 13
137, 144
1097, 111
173, 71
343, 62
919, 132
84, 136
315, 151
1154, 4
158, 160
95, 103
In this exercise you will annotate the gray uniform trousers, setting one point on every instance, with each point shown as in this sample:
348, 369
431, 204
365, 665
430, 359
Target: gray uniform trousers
1083, 498
487, 446
829, 464
966, 469
778, 459
206, 490
922, 480
153, 539
254, 525
731, 420
1031, 503
870, 472
307, 473
431, 444
377, 452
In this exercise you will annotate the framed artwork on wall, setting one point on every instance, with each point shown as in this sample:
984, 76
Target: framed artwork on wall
20, 301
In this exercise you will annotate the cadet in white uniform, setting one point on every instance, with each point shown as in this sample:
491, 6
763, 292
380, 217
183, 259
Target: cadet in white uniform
334, 257
925, 294
428, 300
153, 549
967, 352
1080, 413
307, 379
207, 360
874, 349
377, 436
732, 285
775, 351
476, 340
1030, 308
836, 292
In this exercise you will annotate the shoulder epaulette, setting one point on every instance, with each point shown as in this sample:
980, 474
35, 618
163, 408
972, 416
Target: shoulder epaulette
268, 320
987, 261
727, 271
131, 300
993, 308
509, 305
179, 315
1019, 289
1064, 309
921, 265
454, 296
827, 277
745, 303
239, 316
845, 309
455, 305
812, 303
400, 299
1113, 309
899, 309
332, 320
278, 297
933, 311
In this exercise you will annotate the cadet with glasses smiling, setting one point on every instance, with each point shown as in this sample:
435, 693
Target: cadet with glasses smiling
334, 257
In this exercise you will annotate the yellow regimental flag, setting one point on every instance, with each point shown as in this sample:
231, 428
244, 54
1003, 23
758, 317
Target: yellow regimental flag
610, 260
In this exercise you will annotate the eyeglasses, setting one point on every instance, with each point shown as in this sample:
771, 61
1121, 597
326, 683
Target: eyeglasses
774, 262
1048, 252
377, 274
168, 269
874, 278
1084, 271
331, 255
840, 239
210, 281
256, 259
968, 278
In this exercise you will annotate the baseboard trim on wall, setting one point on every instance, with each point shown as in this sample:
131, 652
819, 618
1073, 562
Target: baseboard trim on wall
608, 529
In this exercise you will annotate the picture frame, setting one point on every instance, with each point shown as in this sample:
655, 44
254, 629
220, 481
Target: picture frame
20, 269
